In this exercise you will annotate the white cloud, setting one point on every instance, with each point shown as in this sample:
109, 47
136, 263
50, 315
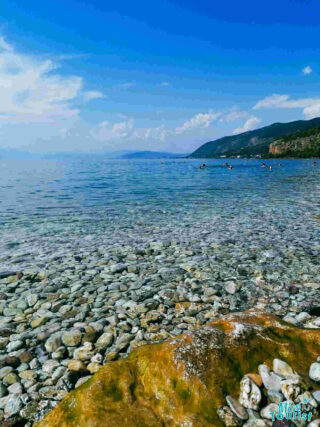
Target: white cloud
164, 84
249, 124
31, 91
107, 131
4, 45
310, 106
201, 120
307, 70
92, 94
234, 115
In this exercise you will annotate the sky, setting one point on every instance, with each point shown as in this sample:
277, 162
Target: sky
160, 75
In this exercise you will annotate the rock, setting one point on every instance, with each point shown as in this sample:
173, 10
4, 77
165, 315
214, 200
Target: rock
13, 406
25, 357
314, 423
228, 418
82, 381
316, 395
290, 389
72, 338
232, 287
49, 366
270, 380
182, 372
283, 369
15, 388
275, 396
118, 268
303, 317
314, 372
83, 353
93, 367
11, 378
38, 322
266, 412
104, 341
53, 343
123, 341
250, 394
32, 299
14, 345
237, 408
76, 365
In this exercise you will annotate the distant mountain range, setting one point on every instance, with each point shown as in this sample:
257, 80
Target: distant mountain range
152, 155
120, 154
253, 142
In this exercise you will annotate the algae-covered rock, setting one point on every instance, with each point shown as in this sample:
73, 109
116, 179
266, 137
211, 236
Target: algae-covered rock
185, 380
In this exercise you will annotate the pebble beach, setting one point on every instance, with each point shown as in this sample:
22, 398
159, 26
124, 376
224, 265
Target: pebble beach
110, 265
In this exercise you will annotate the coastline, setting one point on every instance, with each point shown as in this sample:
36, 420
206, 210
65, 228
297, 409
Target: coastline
60, 325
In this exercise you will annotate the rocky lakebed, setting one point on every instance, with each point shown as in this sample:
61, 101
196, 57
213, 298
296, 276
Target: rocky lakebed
60, 323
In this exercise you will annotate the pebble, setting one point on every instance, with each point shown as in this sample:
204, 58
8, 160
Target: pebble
237, 408
314, 372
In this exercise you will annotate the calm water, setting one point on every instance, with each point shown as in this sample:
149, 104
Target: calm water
87, 197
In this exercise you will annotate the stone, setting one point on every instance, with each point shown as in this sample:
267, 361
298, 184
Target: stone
104, 341
49, 366
72, 338
266, 412
290, 389
82, 381
275, 396
232, 287
11, 378
314, 372
283, 369
76, 365
183, 373
270, 380
15, 388
14, 345
316, 396
93, 367
38, 322
53, 343
13, 406
237, 408
83, 353
303, 317
250, 394
32, 299
118, 268
25, 357
228, 418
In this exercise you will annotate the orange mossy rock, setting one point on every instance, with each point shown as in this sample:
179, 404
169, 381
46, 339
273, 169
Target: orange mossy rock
184, 380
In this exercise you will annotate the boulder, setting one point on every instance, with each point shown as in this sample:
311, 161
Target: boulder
187, 378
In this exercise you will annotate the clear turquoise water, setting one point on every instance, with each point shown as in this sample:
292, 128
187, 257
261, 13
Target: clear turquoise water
94, 195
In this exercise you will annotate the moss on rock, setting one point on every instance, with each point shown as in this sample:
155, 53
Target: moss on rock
184, 380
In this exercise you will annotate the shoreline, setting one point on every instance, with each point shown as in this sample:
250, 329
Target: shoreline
60, 325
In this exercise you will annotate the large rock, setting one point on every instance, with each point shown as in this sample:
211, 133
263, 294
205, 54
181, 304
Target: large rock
185, 379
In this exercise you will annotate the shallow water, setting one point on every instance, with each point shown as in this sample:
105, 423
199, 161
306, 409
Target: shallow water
53, 205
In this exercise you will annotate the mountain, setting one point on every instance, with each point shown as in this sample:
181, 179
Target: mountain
301, 144
253, 142
151, 155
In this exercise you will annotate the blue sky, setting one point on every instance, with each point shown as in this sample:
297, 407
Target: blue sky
160, 75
